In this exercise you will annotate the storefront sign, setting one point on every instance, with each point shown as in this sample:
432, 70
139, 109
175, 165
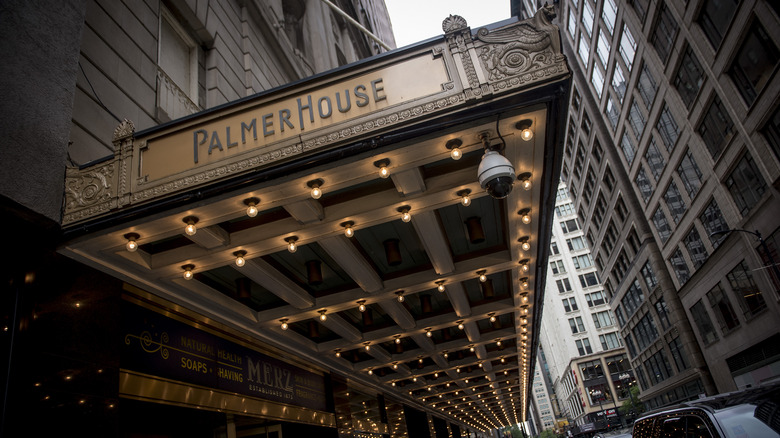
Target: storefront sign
163, 347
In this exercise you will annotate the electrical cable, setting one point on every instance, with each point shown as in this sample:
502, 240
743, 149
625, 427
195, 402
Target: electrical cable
100, 102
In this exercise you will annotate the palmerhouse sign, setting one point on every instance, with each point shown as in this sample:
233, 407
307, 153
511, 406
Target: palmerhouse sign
459, 71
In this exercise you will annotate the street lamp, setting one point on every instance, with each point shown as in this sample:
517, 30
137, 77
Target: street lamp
598, 394
764, 246
625, 378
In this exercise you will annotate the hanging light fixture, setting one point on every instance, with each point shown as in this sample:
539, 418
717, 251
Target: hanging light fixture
251, 206
524, 126
524, 245
131, 244
460, 325
525, 180
397, 339
454, 147
367, 346
492, 317
524, 265
188, 271
525, 215
524, 282
322, 315
465, 197
440, 286
314, 185
400, 295
405, 215
382, 165
428, 332
240, 261
291, 243
348, 230
482, 275
362, 305
190, 229
284, 324
337, 352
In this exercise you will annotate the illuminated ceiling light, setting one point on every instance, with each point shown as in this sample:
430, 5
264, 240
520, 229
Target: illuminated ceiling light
314, 185
240, 260
348, 230
398, 339
471, 348
445, 354
370, 372
465, 197
524, 265
524, 245
524, 126
498, 342
503, 360
188, 271
482, 276
382, 165
480, 364
323, 317
190, 229
338, 353
454, 147
291, 243
405, 215
525, 215
428, 332
492, 317
251, 206
284, 324
460, 325
362, 305
525, 180
367, 346
395, 365
524, 282
131, 244
400, 295
414, 379
440, 286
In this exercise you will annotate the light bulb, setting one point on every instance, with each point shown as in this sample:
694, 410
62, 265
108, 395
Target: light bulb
349, 231
131, 244
525, 246
441, 287
400, 297
188, 272
240, 261
370, 372
284, 324
251, 211
397, 340
526, 184
322, 316
524, 267
338, 354
526, 134
460, 326
428, 333
190, 229
368, 347
482, 278
465, 200
526, 218
405, 216
492, 318
291, 245
316, 193
383, 172
362, 307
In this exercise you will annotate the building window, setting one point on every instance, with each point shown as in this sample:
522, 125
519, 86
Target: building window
587, 17
576, 244
650, 279
602, 47
772, 132
576, 325
561, 194
619, 82
610, 238
597, 79
645, 332
589, 279
663, 313
612, 111
583, 346
655, 161
565, 209
640, 7
633, 298
636, 119
689, 77
570, 304
664, 32
595, 299
177, 93
575, 98
584, 50
690, 175
596, 152
554, 248
703, 323
582, 261
609, 341
627, 47
602, 319
643, 184
716, 127
592, 369
715, 17
658, 367
721, 306
569, 226
609, 14
558, 267
620, 209
572, 22
608, 181
620, 316
746, 184
712, 220
755, 61
695, 247
628, 148
748, 294
647, 86
667, 127
678, 355
680, 267
674, 202
563, 285
661, 225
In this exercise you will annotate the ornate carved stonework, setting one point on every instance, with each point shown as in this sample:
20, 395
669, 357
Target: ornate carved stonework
88, 193
453, 23
124, 130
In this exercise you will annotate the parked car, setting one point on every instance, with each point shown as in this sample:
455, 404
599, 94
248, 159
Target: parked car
750, 413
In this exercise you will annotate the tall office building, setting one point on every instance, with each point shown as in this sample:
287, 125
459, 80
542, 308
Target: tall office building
583, 347
672, 141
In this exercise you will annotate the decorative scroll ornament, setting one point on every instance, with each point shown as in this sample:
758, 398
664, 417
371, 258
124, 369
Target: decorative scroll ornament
124, 130
149, 345
453, 23
88, 188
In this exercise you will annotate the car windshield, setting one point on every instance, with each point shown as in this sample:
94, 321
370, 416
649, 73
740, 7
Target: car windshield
749, 421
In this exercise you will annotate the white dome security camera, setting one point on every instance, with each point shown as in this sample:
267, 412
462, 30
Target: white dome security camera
496, 174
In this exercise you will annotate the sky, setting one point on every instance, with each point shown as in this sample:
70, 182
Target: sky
417, 20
